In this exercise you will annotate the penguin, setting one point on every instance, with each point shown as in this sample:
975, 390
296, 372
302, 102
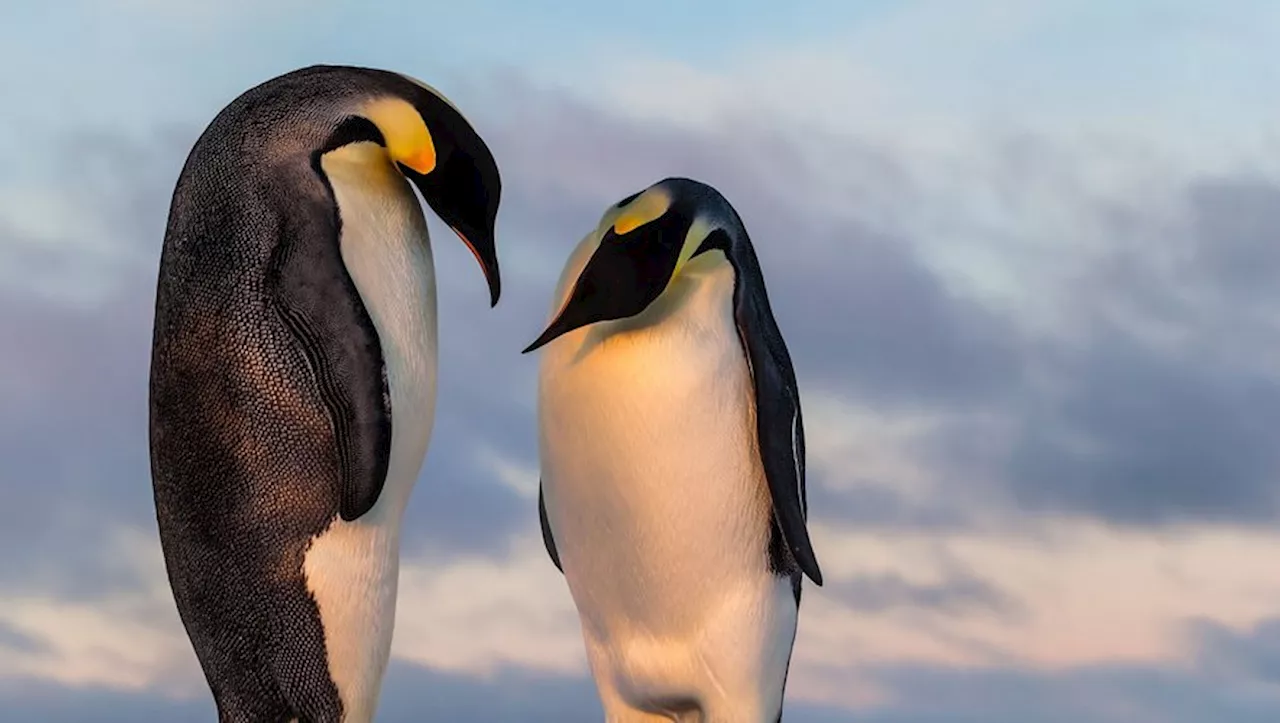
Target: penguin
671, 444
293, 376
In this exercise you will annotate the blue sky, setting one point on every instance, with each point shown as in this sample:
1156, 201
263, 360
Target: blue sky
1022, 253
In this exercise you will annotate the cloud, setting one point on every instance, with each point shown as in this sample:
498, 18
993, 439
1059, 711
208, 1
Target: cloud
1069, 594
124, 636
72, 429
877, 593
1045, 600
1010, 65
1161, 406
1233, 220
1249, 654
1096, 693
1147, 437
478, 615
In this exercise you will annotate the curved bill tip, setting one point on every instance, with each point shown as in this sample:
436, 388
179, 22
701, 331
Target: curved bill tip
486, 255
539, 342
555, 329
495, 287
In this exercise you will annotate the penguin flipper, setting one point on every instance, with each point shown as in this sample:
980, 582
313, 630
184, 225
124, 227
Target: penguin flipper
547, 539
319, 304
779, 423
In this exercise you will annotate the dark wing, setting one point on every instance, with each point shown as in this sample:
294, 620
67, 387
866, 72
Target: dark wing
779, 424
547, 539
319, 304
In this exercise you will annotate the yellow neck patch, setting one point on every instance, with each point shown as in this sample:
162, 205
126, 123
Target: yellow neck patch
698, 233
408, 140
649, 206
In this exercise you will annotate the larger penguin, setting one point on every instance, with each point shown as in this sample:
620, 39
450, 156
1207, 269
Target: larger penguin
672, 452
293, 376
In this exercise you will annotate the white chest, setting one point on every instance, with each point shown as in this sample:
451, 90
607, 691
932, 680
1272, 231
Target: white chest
386, 250
650, 467
352, 568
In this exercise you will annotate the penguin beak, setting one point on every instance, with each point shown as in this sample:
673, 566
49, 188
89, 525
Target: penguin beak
618, 281
485, 250
563, 324
579, 312
470, 213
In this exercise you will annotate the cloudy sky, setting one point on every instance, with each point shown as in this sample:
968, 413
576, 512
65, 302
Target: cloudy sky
1022, 251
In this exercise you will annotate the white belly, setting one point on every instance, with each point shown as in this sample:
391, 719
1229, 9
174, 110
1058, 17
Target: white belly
353, 567
658, 502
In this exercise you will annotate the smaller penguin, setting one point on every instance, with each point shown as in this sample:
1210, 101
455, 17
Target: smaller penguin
672, 451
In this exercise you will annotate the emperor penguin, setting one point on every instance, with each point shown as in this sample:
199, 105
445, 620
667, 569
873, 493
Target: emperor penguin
293, 376
672, 495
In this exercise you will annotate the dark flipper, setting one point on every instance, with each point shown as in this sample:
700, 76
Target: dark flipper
779, 423
319, 304
547, 539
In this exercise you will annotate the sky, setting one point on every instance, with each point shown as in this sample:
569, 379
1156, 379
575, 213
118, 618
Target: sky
1022, 254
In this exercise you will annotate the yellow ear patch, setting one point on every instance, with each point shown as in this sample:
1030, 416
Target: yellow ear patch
649, 206
408, 140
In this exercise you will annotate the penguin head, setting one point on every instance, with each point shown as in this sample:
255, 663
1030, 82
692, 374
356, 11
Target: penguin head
436, 148
645, 240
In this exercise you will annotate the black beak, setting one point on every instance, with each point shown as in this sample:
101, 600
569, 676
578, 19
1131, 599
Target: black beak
570, 318
459, 196
620, 280
483, 248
